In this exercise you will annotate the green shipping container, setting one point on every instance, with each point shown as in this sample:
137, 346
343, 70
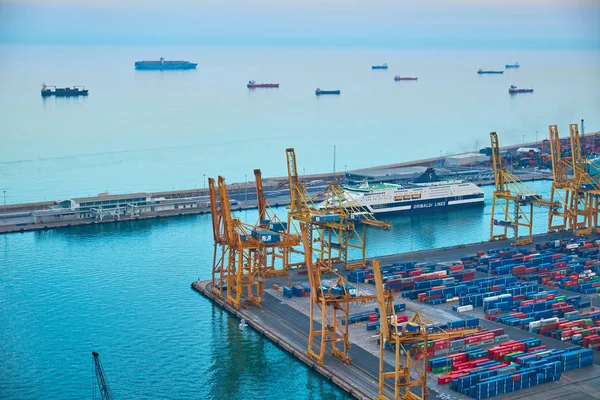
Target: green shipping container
440, 370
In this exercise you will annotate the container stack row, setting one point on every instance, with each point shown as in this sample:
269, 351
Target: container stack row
511, 366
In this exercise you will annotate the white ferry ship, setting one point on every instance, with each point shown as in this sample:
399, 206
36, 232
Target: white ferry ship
425, 194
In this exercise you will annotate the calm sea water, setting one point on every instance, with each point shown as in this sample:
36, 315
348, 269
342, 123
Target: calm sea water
152, 130
124, 290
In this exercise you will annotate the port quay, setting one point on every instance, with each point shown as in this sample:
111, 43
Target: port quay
534, 305
120, 208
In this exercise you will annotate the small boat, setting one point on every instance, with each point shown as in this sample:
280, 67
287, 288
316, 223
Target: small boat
319, 92
481, 71
242, 324
253, 84
405, 78
63, 92
513, 90
515, 65
382, 66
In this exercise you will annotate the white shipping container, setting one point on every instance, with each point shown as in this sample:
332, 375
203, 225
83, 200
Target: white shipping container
572, 246
464, 308
534, 324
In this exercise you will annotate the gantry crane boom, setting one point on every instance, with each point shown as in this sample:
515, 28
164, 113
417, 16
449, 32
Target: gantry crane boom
100, 379
220, 248
579, 193
560, 185
260, 198
337, 223
244, 254
409, 374
514, 199
330, 305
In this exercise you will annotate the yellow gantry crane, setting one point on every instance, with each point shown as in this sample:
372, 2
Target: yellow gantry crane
408, 340
331, 304
512, 203
240, 261
276, 258
336, 224
579, 193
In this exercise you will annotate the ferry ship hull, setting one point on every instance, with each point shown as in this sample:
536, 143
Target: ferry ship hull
427, 206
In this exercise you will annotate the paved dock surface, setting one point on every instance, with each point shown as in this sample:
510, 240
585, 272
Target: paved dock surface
288, 319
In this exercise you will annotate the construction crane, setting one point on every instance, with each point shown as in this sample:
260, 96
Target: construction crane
240, 261
331, 305
409, 343
578, 193
513, 201
100, 379
337, 223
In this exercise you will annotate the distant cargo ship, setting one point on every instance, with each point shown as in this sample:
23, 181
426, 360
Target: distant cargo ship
163, 64
513, 90
515, 65
404, 78
319, 92
481, 71
253, 84
382, 66
63, 92
426, 194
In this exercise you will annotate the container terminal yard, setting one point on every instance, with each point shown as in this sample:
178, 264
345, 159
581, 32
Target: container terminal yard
529, 161
514, 316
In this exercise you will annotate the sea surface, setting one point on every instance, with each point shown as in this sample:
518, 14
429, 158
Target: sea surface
153, 130
124, 289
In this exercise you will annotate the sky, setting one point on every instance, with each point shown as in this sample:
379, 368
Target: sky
487, 23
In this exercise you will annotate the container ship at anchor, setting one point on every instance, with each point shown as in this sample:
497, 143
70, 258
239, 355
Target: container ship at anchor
254, 85
162, 64
63, 92
405, 78
426, 194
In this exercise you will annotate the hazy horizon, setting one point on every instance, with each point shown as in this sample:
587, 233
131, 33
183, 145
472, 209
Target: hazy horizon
437, 23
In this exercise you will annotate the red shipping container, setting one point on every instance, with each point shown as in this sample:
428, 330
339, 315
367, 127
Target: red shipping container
556, 256
402, 318
372, 318
496, 332
456, 268
532, 349
519, 270
497, 366
519, 297
481, 361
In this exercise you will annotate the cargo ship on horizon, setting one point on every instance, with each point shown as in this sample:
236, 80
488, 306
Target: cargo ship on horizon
515, 65
162, 64
425, 194
63, 92
481, 72
382, 66
253, 85
319, 92
405, 78
514, 90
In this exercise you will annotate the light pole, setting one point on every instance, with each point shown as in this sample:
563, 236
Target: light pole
204, 181
523, 136
476, 146
4, 192
536, 137
246, 189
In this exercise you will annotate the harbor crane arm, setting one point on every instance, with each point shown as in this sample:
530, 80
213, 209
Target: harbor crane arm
100, 379
332, 303
214, 212
410, 373
260, 198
